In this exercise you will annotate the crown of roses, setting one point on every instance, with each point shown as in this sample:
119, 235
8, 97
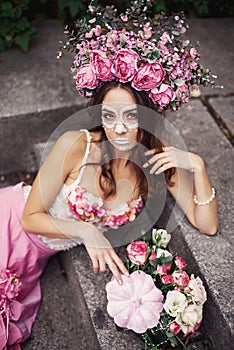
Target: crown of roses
147, 52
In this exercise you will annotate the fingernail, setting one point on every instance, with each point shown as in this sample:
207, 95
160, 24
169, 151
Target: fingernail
145, 165
120, 282
127, 273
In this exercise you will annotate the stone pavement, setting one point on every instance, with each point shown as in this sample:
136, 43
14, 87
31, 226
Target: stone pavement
36, 95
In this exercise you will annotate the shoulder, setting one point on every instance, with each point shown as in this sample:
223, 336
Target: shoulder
72, 142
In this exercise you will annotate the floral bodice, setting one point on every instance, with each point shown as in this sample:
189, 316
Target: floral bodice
75, 202
90, 208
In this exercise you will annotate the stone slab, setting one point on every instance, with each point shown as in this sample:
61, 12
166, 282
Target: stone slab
36, 95
216, 38
92, 285
59, 324
38, 82
224, 106
212, 256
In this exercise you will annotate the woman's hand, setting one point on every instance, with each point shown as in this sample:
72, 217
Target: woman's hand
172, 157
102, 253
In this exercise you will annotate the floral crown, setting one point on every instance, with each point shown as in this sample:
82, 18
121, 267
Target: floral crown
148, 53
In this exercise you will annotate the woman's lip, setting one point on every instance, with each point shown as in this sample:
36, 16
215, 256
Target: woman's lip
121, 141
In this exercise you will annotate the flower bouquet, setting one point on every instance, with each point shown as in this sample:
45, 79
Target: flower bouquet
159, 300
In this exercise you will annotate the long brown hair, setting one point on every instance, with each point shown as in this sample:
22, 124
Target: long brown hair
107, 181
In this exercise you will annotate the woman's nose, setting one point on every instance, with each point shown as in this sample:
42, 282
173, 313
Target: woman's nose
120, 128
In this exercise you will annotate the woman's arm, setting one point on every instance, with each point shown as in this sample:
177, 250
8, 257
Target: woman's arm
63, 160
203, 217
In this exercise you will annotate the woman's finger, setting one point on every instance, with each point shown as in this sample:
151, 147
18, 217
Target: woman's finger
155, 158
121, 265
114, 269
164, 168
159, 164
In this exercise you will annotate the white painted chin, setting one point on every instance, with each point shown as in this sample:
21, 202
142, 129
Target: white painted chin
123, 144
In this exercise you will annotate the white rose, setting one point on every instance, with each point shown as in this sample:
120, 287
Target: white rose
162, 252
175, 303
161, 237
198, 291
191, 315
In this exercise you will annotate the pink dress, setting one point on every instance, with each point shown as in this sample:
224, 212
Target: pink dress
24, 255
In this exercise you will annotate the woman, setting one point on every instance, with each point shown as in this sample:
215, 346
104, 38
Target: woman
92, 181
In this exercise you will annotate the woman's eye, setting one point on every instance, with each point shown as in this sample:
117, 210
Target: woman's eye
108, 116
132, 116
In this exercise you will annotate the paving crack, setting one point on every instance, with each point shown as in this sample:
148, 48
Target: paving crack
217, 117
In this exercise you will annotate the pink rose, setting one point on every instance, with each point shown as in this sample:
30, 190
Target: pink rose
175, 328
138, 252
167, 279
197, 290
101, 65
181, 277
149, 76
86, 77
162, 96
180, 263
162, 269
125, 65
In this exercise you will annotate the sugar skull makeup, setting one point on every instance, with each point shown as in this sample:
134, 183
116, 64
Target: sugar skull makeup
120, 121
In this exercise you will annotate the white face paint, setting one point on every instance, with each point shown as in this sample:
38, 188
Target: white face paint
119, 122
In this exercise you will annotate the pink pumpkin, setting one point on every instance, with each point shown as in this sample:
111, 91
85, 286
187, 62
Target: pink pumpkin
136, 304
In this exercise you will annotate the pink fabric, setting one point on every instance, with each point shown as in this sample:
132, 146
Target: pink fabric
26, 256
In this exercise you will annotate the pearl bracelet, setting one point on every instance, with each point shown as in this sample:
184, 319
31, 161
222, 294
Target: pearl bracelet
208, 200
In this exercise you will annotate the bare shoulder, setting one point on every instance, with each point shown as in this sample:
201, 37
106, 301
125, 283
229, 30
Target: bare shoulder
72, 142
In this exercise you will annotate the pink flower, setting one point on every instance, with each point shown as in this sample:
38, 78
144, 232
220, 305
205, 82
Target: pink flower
125, 65
175, 328
193, 53
101, 65
180, 263
86, 77
138, 252
149, 76
152, 256
167, 279
198, 291
136, 304
162, 269
9, 288
162, 96
165, 38
181, 278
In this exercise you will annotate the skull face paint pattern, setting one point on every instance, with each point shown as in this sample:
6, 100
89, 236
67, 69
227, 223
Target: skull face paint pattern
122, 122
128, 118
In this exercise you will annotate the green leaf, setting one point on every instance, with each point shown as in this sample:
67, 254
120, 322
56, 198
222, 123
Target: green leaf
179, 82
7, 10
21, 25
23, 39
74, 8
61, 5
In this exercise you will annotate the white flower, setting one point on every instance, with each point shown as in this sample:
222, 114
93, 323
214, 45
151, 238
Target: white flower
162, 252
189, 318
161, 237
175, 303
198, 291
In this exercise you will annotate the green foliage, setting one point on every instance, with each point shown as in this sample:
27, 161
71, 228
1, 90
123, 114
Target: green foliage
17, 16
14, 25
